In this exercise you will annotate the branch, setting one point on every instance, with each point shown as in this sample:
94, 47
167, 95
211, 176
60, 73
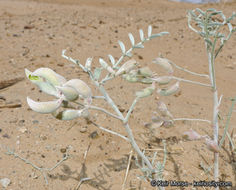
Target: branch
188, 71
110, 131
42, 170
189, 81
191, 119
104, 111
131, 109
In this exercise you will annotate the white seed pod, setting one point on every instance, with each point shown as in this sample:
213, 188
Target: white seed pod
42, 83
163, 80
67, 114
162, 109
146, 81
146, 92
170, 90
164, 63
145, 71
80, 86
44, 107
191, 135
69, 92
126, 67
212, 145
131, 78
50, 76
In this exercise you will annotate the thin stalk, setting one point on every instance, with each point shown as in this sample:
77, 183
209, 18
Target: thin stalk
131, 109
191, 119
110, 131
227, 122
188, 71
104, 111
190, 81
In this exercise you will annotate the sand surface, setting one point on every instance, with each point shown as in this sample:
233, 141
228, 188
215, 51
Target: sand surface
33, 34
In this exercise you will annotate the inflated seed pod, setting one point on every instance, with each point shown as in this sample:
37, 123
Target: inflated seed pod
212, 145
49, 75
146, 92
42, 83
163, 80
164, 63
80, 86
170, 90
126, 67
69, 92
191, 135
67, 114
162, 109
146, 81
44, 107
145, 71
131, 78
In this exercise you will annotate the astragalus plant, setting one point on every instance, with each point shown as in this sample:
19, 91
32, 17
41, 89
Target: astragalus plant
216, 30
74, 98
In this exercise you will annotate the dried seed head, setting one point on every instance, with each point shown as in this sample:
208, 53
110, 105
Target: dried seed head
170, 90
44, 107
126, 67
80, 86
165, 64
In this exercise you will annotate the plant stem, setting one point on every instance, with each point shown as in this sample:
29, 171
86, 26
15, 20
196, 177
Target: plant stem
188, 71
103, 110
127, 128
190, 81
191, 119
227, 122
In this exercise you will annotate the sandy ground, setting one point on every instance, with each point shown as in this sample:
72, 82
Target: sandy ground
33, 34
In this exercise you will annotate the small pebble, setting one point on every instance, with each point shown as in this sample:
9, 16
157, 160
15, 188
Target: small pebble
6, 136
83, 129
63, 150
93, 135
23, 129
35, 121
5, 182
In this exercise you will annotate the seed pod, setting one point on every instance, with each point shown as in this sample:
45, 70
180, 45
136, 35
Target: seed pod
130, 78
163, 80
44, 107
164, 63
191, 135
67, 114
212, 145
169, 91
80, 86
42, 83
146, 81
145, 71
69, 92
126, 67
162, 109
146, 92
49, 75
